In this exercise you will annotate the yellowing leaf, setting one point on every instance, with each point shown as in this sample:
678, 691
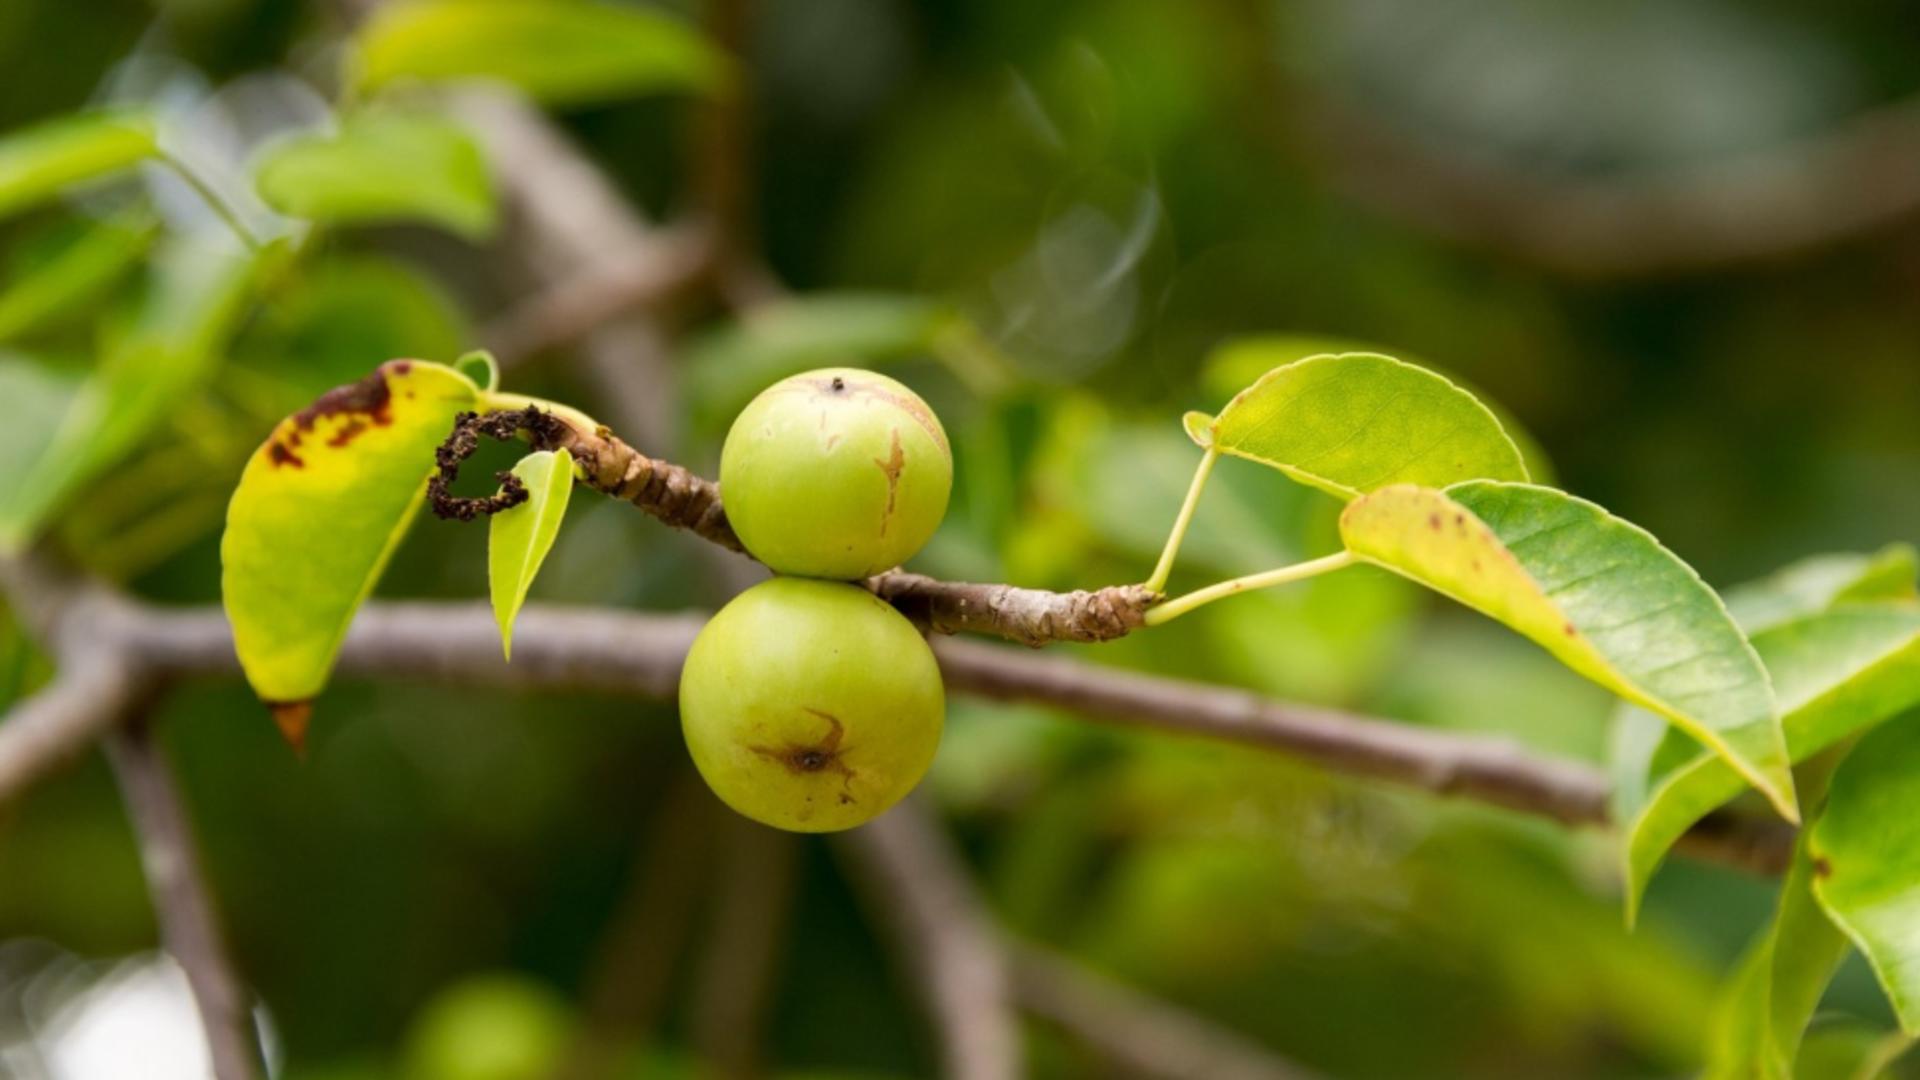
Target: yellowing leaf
1351, 423
519, 538
40, 162
557, 51
320, 508
1598, 593
382, 167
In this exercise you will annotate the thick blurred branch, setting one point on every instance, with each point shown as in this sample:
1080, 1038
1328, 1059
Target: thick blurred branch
559, 649
1139, 1034
1777, 203
920, 892
189, 926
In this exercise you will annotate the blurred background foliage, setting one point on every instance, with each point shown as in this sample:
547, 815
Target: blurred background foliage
1049, 218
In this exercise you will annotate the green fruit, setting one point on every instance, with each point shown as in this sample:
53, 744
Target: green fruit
490, 1027
837, 473
810, 705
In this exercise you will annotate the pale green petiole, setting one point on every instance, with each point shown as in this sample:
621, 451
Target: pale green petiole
219, 205
1180, 605
1165, 568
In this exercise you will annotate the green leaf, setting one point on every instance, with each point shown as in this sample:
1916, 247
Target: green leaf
1239, 362
1598, 593
319, 509
1817, 583
1841, 1046
1355, 422
42, 161
1773, 995
382, 167
42, 395
175, 341
561, 52
518, 539
1835, 673
73, 276
1866, 855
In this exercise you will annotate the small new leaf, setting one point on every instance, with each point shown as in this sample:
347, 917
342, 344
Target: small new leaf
1351, 423
560, 52
42, 161
382, 167
1599, 594
519, 538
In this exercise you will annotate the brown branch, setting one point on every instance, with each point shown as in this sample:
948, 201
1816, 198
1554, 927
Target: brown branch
1139, 1034
1773, 204
1032, 617
188, 924
684, 500
917, 890
740, 962
633, 977
580, 303
593, 650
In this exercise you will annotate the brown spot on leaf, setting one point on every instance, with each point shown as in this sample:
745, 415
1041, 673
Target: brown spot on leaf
895, 463
346, 433
1570, 631
1433, 522
281, 454
1821, 867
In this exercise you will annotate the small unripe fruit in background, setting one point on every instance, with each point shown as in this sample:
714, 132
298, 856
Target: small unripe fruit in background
837, 473
811, 705
490, 1027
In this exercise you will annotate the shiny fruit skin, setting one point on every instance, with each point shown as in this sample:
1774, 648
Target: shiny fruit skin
837, 473
811, 706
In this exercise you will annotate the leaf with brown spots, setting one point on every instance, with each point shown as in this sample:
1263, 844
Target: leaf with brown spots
1599, 594
319, 509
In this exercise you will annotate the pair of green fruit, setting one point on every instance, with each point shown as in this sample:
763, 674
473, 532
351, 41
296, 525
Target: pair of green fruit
808, 703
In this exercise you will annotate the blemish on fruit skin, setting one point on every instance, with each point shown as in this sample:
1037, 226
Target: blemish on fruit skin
279, 454
1568, 627
840, 386
895, 464
821, 756
1433, 521
1821, 867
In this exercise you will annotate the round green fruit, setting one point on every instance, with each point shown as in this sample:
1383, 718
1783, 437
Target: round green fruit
810, 705
837, 473
490, 1027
